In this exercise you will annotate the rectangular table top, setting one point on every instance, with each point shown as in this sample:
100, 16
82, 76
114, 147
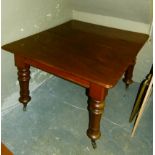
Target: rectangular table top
94, 53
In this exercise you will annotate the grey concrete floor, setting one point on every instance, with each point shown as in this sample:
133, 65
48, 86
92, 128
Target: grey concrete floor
56, 121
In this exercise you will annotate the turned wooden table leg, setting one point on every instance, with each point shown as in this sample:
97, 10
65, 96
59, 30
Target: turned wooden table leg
96, 105
129, 74
23, 78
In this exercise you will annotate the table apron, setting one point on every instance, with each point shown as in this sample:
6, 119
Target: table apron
58, 72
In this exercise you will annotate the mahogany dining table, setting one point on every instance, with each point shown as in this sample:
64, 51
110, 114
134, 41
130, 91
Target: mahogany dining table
89, 55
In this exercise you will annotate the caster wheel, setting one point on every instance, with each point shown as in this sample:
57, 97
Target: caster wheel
24, 107
94, 144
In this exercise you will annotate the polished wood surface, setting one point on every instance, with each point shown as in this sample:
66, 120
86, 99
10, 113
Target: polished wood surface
96, 104
89, 52
5, 150
92, 56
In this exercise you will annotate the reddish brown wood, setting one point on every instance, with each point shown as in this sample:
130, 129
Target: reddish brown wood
5, 150
81, 52
96, 104
90, 55
129, 74
23, 78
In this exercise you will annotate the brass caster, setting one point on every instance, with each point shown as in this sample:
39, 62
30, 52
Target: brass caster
94, 144
127, 83
127, 86
24, 107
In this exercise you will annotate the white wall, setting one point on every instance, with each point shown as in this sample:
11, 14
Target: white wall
21, 18
136, 10
144, 62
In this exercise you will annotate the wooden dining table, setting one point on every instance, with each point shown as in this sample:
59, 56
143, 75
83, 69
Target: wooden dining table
92, 56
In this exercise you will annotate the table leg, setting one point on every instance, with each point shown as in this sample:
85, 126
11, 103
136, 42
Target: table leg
23, 78
129, 74
96, 105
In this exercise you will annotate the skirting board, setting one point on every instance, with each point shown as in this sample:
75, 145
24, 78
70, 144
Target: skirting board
112, 22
